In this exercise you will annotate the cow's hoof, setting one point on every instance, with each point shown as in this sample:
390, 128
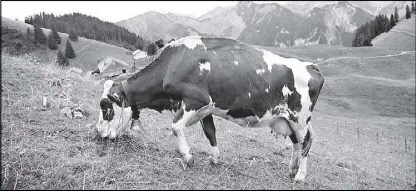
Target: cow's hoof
190, 162
300, 177
135, 125
215, 162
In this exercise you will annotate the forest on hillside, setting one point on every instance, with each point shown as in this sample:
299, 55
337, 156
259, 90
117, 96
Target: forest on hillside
89, 27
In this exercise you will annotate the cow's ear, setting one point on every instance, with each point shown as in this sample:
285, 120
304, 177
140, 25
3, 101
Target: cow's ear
114, 98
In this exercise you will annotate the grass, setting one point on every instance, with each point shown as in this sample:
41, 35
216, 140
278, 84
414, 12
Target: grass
88, 52
397, 40
41, 149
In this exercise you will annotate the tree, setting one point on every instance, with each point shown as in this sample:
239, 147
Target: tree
407, 12
171, 40
392, 21
28, 21
69, 51
39, 35
55, 34
151, 49
413, 6
160, 43
52, 42
396, 15
28, 33
73, 36
61, 59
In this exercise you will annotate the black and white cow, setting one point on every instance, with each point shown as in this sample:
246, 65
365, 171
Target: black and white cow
199, 77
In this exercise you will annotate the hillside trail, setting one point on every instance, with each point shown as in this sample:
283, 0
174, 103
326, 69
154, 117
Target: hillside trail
84, 47
397, 30
355, 57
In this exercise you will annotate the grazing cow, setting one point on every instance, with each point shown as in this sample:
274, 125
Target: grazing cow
199, 77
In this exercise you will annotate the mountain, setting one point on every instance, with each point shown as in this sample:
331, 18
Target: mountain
303, 7
332, 24
154, 26
372, 7
268, 24
401, 7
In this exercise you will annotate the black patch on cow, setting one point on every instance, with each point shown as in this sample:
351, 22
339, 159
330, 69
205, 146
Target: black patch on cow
293, 138
208, 126
115, 99
240, 113
107, 108
315, 84
178, 116
309, 119
135, 112
306, 145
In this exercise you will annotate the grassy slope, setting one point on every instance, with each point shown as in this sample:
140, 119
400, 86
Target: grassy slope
94, 50
398, 40
44, 150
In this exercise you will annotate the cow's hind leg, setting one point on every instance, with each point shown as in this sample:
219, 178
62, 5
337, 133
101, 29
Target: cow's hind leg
209, 130
301, 145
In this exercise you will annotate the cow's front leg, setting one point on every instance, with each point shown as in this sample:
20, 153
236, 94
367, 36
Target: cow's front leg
302, 141
179, 121
135, 123
209, 130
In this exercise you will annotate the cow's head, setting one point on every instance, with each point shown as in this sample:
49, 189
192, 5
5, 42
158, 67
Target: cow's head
114, 119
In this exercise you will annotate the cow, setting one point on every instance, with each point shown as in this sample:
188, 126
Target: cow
198, 77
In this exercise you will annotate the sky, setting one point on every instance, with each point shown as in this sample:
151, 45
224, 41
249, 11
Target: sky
111, 11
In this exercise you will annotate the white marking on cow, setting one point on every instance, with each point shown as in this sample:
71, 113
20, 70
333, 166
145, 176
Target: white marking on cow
250, 83
260, 71
107, 86
215, 154
249, 94
190, 42
235, 62
301, 79
215, 53
205, 66
267, 90
286, 91
178, 128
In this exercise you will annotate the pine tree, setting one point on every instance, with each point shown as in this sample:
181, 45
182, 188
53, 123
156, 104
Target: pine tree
73, 36
396, 15
39, 35
160, 43
407, 12
392, 21
151, 49
52, 42
69, 51
55, 34
28, 33
61, 59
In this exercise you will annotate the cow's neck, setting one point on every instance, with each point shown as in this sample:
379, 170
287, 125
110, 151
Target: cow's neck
147, 83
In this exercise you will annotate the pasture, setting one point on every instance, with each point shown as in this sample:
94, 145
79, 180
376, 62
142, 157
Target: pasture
364, 121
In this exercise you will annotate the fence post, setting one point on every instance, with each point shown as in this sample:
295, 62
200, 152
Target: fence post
358, 133
405, 145
377, 137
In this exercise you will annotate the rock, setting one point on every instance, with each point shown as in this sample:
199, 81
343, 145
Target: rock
75, 70
45, 102
67, 112
78, 114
